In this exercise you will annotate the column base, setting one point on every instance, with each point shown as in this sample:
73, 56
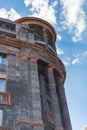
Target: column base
59, 128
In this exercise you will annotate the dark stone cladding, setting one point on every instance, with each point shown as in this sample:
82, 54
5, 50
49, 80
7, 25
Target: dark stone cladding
35, 82
35, 51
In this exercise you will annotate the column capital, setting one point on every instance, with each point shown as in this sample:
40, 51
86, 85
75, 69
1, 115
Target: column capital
33, 59
60, 78
50, 67
24, 56
59, 128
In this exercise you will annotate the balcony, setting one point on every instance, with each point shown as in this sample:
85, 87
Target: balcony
5, 128
5, 98
2, 67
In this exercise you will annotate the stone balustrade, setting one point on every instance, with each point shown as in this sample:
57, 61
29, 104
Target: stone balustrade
5, 98
5, 128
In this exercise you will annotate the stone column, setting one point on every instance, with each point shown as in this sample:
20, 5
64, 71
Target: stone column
63, 104
36, 101
45, 36
55, 102
17, 30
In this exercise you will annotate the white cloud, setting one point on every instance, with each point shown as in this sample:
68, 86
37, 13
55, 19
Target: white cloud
59, 37
42, 9
59, 51
75, 61
66, 63
67, 60
74, 17
11, 14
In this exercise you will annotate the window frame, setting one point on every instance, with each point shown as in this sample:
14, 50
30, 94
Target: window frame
3, 57
4, 90
1, 123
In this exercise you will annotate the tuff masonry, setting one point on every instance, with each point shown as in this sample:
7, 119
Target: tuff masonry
32, 95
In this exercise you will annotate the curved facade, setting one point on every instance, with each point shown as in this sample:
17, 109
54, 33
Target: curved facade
32, 95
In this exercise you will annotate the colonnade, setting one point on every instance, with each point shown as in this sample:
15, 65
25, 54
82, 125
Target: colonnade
59, 104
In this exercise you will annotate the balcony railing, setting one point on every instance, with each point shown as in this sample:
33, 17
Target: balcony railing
5, 98
5, 128
2, 67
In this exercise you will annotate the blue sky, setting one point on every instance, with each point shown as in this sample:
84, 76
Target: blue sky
69, 18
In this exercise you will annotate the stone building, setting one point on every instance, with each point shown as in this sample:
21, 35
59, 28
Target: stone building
32, 95
85, 128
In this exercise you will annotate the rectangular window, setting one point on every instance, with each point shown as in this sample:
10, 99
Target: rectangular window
2, 85
2, 62
1, 116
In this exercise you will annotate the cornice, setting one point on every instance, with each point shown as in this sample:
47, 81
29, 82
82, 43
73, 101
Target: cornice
38, 21
40, 52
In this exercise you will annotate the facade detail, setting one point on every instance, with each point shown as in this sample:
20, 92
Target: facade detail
32, 95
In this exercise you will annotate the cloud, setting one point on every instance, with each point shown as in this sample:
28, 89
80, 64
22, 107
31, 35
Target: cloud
59, 37
11, 14
75, 61
74, 17
66, 63
42, 9
59, 51
66, 60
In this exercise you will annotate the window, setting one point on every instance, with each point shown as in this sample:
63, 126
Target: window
2, 62
1, 116
2, 84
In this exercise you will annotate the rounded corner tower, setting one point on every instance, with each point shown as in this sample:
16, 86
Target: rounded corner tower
32, 95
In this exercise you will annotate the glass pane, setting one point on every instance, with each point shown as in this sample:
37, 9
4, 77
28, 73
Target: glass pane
2, 83
3, 60
1, 116
0, 59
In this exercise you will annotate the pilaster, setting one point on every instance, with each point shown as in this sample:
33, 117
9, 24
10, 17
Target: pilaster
55, 102
45, 36
35, 90
63, 103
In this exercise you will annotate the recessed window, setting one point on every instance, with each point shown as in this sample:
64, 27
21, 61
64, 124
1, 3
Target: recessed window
2, 85
1, 116
2, 62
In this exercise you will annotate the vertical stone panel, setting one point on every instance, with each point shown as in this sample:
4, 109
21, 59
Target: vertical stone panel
36, 101
55, 102
63, 104
25, 89
13, 86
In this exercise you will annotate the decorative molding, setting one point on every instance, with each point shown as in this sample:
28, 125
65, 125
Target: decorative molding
60, 78
31, 122
5, 98
50, 67
33, 59
50, 117
24, 56
48, 56
3, 76
5, 128
59, 128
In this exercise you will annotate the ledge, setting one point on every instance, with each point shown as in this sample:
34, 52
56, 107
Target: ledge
5, 128
5, 98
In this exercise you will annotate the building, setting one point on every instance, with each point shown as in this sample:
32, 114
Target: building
32, 95
85, 128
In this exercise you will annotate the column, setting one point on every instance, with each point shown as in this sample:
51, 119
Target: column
36, 101
55, 102
17, 30
63, 104
45, 36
